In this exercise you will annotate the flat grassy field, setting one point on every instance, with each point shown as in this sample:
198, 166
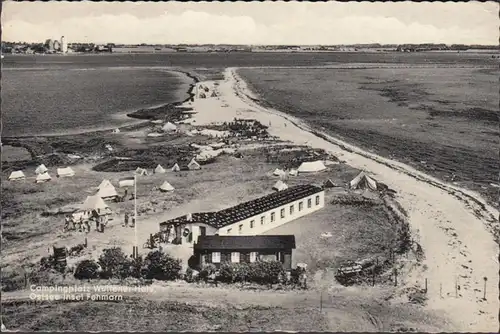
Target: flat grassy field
443, 121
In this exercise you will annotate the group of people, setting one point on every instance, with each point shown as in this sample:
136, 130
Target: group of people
83, 225
126, 220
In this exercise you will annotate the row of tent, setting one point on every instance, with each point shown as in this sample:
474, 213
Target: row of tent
42, 174
305, 167
192, 165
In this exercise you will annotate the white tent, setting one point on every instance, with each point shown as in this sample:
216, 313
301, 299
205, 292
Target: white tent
166, 187
169, 127
310, 167
158, 121
363, 181
176, 168
154, 134
41, 169
45, 177
278, 172
126, 182
141, 171
105, 183
17, 175
116, 130
159, 169
193, 165
93, 203
329, 184
280, 185
67, 171
107, 192
330, 162
293, 172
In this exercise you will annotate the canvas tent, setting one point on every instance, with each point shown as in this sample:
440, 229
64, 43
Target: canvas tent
17, 175
214, 94
105, 183
93, 203
280, 185
108, 191
311, 167
193, 165
116, 130
67, 171
169, 127
176, 168
41, 169
126, 182
329, 184
293, 172
45, 177
166, 187
141, 171
278, 172
159, 169
363, 181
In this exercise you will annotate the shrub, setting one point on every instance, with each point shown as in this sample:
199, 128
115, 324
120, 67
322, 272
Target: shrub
162, 266
266, 272
242, 272
206, 271
136, 267
114, 263
226, 273
86, 269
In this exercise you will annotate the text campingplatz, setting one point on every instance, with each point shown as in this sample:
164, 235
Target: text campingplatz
84, 293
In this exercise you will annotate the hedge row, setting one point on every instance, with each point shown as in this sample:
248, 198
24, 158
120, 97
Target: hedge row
113, 263
257, 272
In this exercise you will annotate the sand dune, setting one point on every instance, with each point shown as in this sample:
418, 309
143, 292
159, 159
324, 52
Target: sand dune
454, 226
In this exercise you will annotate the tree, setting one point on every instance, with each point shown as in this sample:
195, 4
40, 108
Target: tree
86, 269
162, 266
114, 263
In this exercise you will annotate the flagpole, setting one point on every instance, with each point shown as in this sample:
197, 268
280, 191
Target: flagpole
135, 215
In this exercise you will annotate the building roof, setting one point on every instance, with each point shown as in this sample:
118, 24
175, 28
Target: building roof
252, 208
217, 242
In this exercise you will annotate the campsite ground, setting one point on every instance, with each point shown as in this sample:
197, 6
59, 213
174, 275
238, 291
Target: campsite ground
357, 231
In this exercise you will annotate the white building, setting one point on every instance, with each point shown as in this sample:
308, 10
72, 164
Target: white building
64, 45
249, 218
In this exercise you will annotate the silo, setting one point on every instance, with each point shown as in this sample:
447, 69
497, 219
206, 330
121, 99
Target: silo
64, 45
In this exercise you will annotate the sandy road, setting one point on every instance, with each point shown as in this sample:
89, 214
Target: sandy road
454, 226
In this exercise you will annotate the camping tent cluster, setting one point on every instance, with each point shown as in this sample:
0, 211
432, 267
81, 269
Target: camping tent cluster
106, 190
42, 174
192, 165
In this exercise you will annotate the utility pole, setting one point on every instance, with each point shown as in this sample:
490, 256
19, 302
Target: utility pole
395, 277
135, 253
321, 301
425, 285
484, 290
373, 276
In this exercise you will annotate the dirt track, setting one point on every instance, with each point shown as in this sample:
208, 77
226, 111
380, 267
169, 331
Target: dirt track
448, 222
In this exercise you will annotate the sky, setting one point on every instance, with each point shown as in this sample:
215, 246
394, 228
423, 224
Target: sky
253, 23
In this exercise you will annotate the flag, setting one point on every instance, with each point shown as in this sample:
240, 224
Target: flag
126, 182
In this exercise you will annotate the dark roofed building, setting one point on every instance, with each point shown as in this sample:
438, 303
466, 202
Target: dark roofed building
218, 249
256, 216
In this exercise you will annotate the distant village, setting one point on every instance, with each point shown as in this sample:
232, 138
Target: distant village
51, 46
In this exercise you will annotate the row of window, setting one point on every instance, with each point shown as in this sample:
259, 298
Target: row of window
235, 257
282, 214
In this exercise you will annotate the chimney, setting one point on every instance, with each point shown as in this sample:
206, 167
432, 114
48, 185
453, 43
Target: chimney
189, 217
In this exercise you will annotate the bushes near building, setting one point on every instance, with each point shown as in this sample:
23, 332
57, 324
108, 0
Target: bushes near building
258, 272
162, 266
87, 269
114, 263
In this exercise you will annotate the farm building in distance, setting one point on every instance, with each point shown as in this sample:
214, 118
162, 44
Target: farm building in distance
249, 218
218, 249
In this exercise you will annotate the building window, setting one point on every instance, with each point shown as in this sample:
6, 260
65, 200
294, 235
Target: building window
262, 220
253, 256
309, 203
292, 208
240, 228
215, 257
273, 216
282, 214
235, 257
317, 200
252, 223
301, 205
229, 230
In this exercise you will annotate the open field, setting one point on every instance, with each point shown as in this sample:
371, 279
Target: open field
226, 309
443, 121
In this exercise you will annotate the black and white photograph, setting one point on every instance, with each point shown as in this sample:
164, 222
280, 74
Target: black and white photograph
250, 166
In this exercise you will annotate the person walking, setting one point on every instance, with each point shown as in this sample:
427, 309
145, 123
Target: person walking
66, 223
126, 219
